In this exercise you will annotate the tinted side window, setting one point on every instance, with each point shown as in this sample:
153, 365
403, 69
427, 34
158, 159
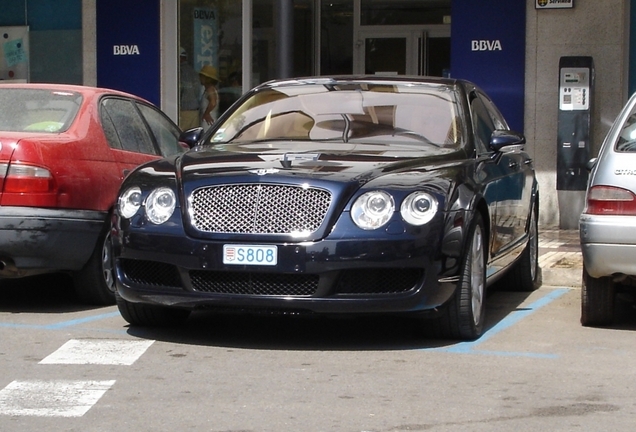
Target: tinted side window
496, 116
109, 130
165, 132
128, 125
482, 124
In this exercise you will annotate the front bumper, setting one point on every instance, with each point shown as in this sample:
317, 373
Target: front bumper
608, 245
328, 276
35, 240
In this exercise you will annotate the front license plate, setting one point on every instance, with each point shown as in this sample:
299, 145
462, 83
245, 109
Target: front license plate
250, 254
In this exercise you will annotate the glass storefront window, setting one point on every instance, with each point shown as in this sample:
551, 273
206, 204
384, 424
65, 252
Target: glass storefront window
32, 34
404, 12
336, 37
267, 19
210, 53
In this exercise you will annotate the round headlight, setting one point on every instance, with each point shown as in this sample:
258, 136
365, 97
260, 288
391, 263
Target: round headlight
129, 202
160, 205
372, 210
418, 208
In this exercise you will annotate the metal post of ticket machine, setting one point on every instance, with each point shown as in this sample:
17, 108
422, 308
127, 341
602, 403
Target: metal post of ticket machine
576, 88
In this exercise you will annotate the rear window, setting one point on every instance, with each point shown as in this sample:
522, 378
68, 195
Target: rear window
37, 110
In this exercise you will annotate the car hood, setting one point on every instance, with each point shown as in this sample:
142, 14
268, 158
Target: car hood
341, 162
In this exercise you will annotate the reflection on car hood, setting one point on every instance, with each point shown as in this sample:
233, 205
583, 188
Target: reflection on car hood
333, 161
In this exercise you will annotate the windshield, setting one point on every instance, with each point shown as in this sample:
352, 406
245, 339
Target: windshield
423, 114
37, 110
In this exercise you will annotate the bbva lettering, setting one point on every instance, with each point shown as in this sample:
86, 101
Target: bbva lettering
204, 14
125, 50
486, 45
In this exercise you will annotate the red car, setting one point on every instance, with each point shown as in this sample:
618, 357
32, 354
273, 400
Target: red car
64, 152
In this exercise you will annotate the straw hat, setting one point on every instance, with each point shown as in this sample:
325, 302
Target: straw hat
210, 72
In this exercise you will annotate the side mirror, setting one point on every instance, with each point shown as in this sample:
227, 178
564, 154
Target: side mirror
503, 138
191, 137
591, 164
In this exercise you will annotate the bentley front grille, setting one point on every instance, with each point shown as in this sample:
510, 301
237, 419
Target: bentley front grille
258, 209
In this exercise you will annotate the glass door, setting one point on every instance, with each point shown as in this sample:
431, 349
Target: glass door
415, 51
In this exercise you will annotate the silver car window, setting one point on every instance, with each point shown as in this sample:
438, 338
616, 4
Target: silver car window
627, 138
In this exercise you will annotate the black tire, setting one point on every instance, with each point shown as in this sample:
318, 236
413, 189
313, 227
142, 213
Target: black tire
524, 274
95, 283
464, 315
139, 314
597, 300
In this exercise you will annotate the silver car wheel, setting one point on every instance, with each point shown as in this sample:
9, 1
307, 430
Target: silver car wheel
477, 274
107, 264
533, 246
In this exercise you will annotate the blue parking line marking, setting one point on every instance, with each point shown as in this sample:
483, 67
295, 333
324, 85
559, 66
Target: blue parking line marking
78, 321
63, 324
509, 321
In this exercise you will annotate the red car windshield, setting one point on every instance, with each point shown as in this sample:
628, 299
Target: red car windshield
37, 110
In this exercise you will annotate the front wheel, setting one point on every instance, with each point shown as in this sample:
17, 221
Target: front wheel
597, 300
465, 313
95, 283
144, 315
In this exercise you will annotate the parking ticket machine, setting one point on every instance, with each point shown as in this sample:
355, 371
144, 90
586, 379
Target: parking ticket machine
576, 90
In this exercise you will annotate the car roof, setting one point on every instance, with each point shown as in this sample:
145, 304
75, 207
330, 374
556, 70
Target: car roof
372, 79
85, 90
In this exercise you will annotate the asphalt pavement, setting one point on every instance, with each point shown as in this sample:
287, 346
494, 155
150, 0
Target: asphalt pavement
560, 257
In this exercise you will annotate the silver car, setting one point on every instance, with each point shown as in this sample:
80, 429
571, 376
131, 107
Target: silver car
608, 222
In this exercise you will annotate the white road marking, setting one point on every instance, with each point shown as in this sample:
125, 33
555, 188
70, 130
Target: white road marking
51, 398
99, 352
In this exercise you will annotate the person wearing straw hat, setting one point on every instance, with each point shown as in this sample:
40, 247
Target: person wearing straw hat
209, 106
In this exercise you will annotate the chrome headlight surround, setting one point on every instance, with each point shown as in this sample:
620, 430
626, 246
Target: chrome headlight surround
129, 202
372, 210
419, 208
160, 205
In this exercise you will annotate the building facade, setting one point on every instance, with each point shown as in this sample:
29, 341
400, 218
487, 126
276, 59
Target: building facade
512, 49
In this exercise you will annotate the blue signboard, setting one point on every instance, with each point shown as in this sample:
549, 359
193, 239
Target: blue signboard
128, 47
488, 39
206, 38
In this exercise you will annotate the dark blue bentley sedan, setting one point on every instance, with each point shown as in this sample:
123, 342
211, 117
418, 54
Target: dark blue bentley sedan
335, 195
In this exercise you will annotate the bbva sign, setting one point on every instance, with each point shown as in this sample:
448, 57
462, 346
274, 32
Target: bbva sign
125, 50
485, 45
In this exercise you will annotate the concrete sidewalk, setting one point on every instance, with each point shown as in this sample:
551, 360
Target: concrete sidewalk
560, 257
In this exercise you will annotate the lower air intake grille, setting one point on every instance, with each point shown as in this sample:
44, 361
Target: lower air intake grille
265, 284
378, 281
151, 273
